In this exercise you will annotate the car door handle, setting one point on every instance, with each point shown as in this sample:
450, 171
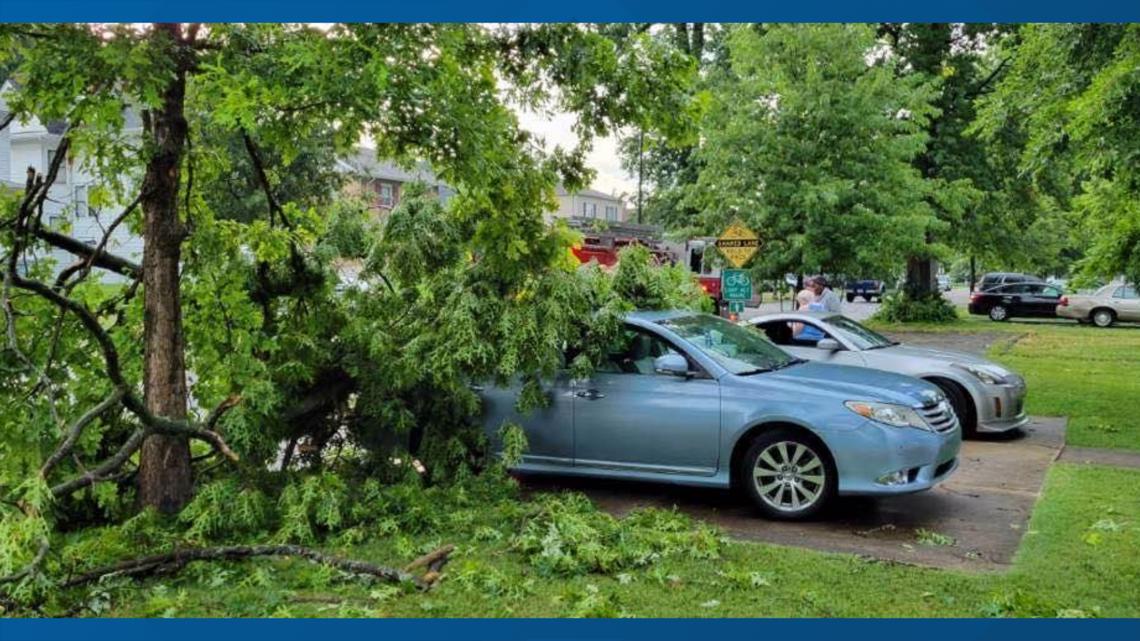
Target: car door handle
590, 394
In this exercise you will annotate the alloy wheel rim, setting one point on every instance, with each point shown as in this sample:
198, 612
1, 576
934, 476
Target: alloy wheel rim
1102, 319
789, 476
998, 313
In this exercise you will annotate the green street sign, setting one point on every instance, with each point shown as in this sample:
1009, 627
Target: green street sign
735, 307
736, 284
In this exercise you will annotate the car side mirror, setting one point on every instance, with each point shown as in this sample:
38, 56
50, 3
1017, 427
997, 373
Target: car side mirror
828, 345
671, 365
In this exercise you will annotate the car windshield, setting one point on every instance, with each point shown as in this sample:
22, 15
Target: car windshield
856, 335
735, 348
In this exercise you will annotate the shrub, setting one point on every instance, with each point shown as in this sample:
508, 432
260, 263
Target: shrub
900, 307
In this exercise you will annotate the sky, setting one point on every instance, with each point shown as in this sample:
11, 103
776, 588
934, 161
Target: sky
603, 158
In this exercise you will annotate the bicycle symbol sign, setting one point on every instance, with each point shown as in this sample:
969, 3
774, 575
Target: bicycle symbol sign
736, 284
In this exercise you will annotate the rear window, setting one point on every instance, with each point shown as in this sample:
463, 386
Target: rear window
1127, 291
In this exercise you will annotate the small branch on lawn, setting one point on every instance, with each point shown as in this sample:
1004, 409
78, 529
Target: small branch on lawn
433, 560
176, 560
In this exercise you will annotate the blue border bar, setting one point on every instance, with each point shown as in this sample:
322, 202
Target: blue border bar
566, 630
571, 10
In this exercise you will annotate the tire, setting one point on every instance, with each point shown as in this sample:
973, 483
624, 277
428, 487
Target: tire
963, 407
851, 298
1103, 317
867, 297
999, 314
781, 495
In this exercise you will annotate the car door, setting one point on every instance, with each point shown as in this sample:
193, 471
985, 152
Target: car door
629, 418
1040, 300
549, 430
1009, 296
1126, 301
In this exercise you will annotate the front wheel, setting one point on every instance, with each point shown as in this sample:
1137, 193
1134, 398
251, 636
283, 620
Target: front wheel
787, 475
851, 298
999, 313
1103, 318
867, 297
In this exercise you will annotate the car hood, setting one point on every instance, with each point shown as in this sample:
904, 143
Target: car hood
925, 359
852, 383
930, 353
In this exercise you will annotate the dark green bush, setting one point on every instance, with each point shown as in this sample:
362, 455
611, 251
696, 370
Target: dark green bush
901, 307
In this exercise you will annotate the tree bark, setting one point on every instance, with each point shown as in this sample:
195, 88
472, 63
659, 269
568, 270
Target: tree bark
164, 477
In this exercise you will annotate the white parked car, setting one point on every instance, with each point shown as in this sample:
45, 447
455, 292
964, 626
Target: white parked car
986, 396
1109, 304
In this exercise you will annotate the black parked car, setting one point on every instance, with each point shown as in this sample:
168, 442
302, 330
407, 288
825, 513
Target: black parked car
995, 279
869, 289
1017, 300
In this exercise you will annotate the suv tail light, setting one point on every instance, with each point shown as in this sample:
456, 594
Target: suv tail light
1064, 301
975, 296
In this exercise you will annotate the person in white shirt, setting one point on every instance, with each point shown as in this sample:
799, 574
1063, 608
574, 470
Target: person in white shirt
823, 294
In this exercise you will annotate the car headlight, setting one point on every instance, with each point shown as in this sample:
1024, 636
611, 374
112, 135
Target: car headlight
888, 414
987, 375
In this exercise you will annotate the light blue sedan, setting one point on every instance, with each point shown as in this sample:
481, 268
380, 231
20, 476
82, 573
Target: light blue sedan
693, 399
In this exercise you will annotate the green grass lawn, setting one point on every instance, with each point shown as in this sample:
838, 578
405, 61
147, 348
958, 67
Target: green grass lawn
1079, 557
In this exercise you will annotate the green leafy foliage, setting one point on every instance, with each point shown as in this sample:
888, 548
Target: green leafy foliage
1071, 97
812, 146
566, 535
902, 307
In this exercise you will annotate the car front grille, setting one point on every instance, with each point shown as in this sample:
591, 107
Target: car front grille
940, 416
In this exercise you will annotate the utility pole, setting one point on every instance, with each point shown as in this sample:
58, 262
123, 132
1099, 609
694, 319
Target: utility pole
640, 170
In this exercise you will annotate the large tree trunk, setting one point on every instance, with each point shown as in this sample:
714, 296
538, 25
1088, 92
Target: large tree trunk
164, 475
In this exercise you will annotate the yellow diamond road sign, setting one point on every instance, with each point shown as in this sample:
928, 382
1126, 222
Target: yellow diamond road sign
738, 244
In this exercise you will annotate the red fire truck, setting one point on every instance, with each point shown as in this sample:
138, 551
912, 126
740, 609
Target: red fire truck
603, 244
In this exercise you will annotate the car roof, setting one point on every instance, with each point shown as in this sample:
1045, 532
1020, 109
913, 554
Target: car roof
792, 315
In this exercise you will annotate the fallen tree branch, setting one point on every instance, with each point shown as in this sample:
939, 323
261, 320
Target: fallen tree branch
105, 470
176, 560
77, 428
31, 567
96, 256
433, 560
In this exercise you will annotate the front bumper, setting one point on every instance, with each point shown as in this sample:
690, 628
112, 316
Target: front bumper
865, 455
1001, 407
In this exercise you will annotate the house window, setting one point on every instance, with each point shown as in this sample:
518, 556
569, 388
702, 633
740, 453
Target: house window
593, 210
611, 212
585, 209
61, 177
82, 208
387, 195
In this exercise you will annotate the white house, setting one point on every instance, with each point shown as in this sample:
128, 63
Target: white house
589, 203
30, 143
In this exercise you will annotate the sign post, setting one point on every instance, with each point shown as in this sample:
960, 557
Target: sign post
738, 244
